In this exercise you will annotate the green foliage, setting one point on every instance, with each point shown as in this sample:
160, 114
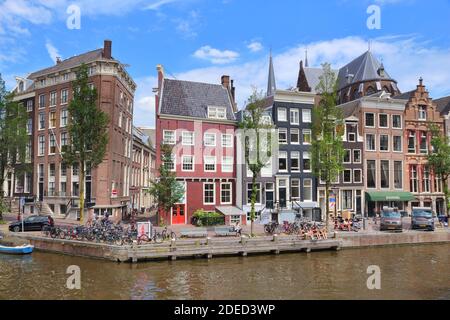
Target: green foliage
257, 142
3, 208
327, 150
166, 190
13, 135
204, 218
87, 128
439, 158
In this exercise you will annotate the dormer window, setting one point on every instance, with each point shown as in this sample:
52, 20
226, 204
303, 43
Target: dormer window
422, 113
217, 113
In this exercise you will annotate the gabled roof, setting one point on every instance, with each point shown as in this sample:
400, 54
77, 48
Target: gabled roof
363, 68
406, 95
443, 105
70, 63
312, 77
192, 99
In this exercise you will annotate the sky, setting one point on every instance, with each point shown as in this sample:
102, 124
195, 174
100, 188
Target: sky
201, 40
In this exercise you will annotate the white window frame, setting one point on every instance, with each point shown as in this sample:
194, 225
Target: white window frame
297, 156
304, 188
230, 191
360, 176
214, 194
401, 121
350, 156
63, 124
351, 176
173, 141
207, 162
285, 131
307, 116
387, 120
294, 111
227, 145
219, 113
280, 112
206, 140
375, 140
41, 153
225, 165
303, 135
298, 134
388, 143
374, 120
401, 144
285, 156
308, 154
187, 137
183, 162
360, 156
299, 189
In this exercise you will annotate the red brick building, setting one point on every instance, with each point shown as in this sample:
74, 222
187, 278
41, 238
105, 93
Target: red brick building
198, 120
55, 185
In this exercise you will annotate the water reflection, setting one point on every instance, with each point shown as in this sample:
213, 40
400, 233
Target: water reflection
407, 273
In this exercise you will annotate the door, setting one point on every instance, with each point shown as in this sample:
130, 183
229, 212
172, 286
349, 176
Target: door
41, 192
269, 199
283, 197
179, 214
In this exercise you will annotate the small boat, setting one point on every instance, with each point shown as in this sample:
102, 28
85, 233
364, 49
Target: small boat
25, 249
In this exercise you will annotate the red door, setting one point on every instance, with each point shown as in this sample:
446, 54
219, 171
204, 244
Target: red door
179, 214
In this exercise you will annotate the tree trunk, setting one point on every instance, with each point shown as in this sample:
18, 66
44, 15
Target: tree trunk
327, 204
2, 181
82, 187
447, 195
253, 210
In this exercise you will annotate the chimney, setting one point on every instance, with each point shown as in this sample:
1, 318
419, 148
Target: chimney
226, 82
107, 49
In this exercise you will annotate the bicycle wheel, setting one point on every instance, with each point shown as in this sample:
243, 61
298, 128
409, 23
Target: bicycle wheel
158, 238
173, 235
143, 238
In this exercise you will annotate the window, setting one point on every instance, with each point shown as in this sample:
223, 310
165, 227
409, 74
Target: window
384, 121
306, 116
357, 156
437, 183
422, 113
227, 140
29, 105
169, 137
63, 170
307, 137
412, 142
413, 183
29, 126
370, 120
370, 142
282, 114
41, 121
64, 117
249, 193
65, 76
371, 174
357, 176
64, 140
306, 162
187, 138
75, 170
423, 143
295, 161
398, 175
28, 152
52, 144
397, 121
426, 180
52, 170
347, 199
210, 139
42, 101
384, 143
51, 189
52, 119
170, 164
397, 144
188, 163
91, 70
348, 176
210, 164
217, 113
295, 190
347, 156
385, 174
227, 164
209, 193
295, 136
352, 130
64, 96
282, 161
225, 193
307, 190
282, 136
41, 149
295, 116
53, 99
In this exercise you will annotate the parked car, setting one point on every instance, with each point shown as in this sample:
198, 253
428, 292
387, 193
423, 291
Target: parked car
422, 219
32, 223
391, 221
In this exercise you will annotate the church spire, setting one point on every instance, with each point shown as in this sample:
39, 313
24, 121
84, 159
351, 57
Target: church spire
271, 85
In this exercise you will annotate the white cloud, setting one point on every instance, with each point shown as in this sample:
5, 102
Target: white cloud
255, 46
144, 102
158, 4
216, 56
52, 51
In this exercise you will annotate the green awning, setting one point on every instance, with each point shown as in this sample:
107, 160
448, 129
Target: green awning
389, 196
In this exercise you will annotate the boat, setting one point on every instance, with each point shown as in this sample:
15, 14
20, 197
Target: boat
25, 249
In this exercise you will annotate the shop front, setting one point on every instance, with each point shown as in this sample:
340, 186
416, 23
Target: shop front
376, 201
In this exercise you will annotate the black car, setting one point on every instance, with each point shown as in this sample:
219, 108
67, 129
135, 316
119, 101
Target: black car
32, 223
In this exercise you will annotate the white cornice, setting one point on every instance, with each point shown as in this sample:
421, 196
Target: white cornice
294, 97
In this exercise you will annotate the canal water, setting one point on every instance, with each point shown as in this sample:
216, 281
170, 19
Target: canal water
411, 272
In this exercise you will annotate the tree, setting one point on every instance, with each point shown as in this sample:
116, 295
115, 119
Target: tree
166, 189
327, 148
88, 130
257, 142
439, 159
13, 138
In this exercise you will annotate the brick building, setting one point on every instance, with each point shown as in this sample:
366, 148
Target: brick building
198, 120
55, 185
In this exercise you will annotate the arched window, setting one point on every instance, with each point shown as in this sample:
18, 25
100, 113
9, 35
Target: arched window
355, 94
370, 91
